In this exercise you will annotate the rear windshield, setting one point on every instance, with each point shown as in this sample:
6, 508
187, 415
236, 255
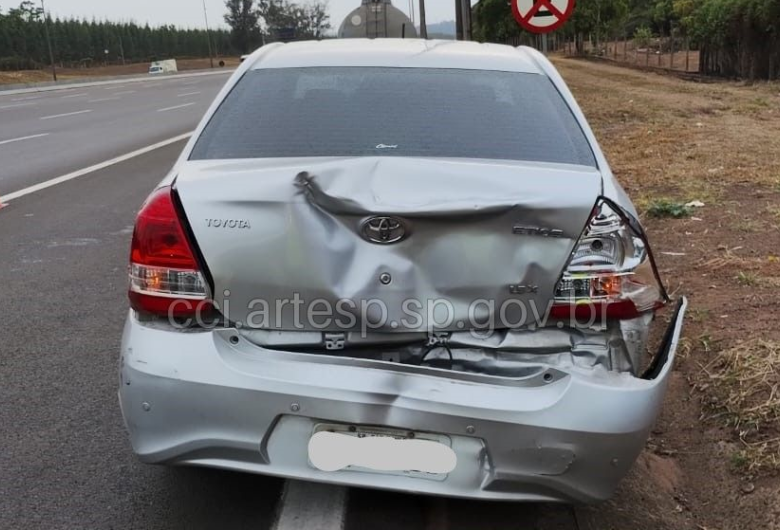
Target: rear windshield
300, 112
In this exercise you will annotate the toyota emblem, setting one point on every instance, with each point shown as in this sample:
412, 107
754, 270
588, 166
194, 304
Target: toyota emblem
384, 230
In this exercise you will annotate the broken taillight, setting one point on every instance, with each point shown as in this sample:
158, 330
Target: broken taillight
165, 278
611, 272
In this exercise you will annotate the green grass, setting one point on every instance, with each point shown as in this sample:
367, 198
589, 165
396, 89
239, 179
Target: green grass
661, 208
748, 279
739, 460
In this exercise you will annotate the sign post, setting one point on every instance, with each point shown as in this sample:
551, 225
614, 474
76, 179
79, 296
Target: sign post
542, 16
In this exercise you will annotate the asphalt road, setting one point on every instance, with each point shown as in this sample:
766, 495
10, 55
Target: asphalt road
65, 461
48, 134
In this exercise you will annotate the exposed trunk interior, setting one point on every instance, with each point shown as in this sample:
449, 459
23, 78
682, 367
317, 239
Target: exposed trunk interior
618, 347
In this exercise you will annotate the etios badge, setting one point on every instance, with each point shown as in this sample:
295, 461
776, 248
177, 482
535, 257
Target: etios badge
542, 16
383, 230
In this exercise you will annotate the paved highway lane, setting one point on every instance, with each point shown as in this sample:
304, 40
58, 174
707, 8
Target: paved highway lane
45, 135
65, 460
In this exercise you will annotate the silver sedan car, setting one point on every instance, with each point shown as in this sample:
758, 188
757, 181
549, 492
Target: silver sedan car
398, 264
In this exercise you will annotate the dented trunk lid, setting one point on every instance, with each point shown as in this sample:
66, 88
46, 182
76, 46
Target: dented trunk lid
387, 244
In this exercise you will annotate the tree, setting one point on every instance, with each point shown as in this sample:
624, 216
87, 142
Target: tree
243, 21
287, 20
492, 21
598, 18
684, 10
316, 20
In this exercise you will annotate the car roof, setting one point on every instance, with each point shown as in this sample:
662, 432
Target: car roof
399, 53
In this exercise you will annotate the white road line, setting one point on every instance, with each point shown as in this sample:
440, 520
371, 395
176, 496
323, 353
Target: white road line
188, 94
75, 95
27, 98
17, 105
133, 80
312, 506
124, 92
24, 138
166, 109
66, 114
97, 167
104, 99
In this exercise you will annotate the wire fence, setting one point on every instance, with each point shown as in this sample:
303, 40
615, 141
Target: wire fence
662, 53
669, 53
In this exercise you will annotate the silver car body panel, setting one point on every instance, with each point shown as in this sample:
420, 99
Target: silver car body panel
198, 398
534, 413
304, 238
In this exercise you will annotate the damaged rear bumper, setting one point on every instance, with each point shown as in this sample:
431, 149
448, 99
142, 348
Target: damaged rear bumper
215, 399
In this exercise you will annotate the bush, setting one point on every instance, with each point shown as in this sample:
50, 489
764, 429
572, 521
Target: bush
666, 208
642, 36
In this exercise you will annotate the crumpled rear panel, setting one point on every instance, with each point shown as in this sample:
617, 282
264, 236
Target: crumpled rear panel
270, 229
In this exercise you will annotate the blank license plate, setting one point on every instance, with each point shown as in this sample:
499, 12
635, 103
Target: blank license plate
379, 450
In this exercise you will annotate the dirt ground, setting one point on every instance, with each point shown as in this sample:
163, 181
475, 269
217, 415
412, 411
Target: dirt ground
713, 459
36, 76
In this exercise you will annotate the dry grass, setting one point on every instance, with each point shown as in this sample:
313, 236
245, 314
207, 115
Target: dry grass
681, 147
744, 388
730, 260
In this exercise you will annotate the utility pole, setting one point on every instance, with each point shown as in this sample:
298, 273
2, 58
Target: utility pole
458, 20
48, 42
465, 16
423, 26
208, 33
121, 50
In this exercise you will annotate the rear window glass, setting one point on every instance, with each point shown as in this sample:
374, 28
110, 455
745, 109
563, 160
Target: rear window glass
300, 112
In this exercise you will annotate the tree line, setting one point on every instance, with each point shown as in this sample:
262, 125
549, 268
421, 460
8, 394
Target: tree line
75, 42
255, 22
86, 43
735, 38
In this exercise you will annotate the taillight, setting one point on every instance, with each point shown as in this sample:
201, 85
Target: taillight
611, 271
165, 278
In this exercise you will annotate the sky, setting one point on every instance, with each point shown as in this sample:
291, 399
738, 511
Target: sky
189, 13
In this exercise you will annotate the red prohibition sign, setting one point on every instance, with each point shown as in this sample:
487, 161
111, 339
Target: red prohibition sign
542, 16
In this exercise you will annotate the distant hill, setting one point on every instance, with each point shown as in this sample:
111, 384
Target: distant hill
443, 30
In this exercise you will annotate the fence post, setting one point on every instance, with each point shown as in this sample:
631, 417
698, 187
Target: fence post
625, 45
671, 50
660, 48
687, 52
614, 47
